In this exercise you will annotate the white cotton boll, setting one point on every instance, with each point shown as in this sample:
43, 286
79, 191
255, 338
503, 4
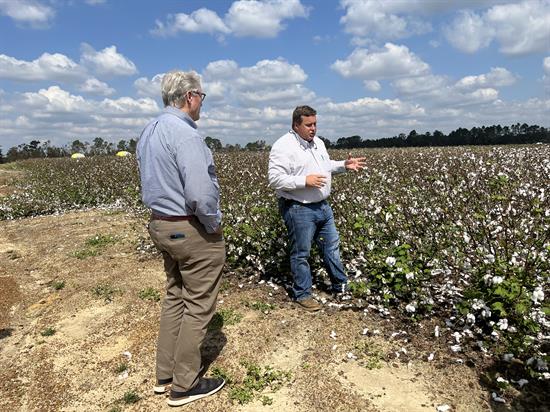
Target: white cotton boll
503, 324
436, 331
538, 295
334, 347
430, 357
470, 318
457, 336
522, 382
409, 276
365, 331
351, 356
507, 357
497, 398
390, 261
497, 280
456, 348
127, 354
333, 335
466, 237
489, 259
410, 308
443, 408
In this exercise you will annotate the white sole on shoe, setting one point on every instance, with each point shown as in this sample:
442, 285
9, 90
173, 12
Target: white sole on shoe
189, 399
161, 389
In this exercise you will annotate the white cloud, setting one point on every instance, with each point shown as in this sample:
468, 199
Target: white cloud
519, 28
254, 18
262, 18
271, 72
497, 77
546, 76
95, 2
60, 116
151, 88
419, 86
372, 85
95, 86
221, 69
48, 66
384, 20
107, 61
200, 21
393, 61
469, 32
27, 12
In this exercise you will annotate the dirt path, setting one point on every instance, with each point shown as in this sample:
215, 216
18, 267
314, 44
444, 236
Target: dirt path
71, 318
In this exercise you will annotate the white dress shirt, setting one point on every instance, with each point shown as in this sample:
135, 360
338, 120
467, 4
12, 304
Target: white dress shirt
291, 159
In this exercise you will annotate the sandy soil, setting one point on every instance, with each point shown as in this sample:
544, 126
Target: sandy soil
333, 366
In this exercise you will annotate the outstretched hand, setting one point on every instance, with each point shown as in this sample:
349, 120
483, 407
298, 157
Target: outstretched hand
355, 163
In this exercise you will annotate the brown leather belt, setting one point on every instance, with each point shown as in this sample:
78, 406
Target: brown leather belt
171, 218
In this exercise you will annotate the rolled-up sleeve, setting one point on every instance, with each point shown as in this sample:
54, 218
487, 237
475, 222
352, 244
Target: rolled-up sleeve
279, 171
201, 189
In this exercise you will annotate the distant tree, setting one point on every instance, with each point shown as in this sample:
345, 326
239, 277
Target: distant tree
348, 142
327, 142
1, 157
122, 145
132, 144
233, 148
101, 147
258, 145
213, 143
79, 147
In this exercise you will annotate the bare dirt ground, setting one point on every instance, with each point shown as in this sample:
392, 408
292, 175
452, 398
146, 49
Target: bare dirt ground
61, 346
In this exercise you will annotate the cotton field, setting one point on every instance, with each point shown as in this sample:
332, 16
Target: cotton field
461, 234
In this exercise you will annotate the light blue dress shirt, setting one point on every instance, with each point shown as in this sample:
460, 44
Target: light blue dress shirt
177, 170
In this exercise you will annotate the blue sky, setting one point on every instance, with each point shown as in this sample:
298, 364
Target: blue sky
80, 69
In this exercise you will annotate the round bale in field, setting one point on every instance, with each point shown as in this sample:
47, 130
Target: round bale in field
123, 153
77, 156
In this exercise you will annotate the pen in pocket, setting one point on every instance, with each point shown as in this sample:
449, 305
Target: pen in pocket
177, 236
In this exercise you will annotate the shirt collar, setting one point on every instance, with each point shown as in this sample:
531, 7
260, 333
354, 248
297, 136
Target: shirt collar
182, 115
304, 143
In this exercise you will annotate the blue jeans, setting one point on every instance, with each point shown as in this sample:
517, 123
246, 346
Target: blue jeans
305, 223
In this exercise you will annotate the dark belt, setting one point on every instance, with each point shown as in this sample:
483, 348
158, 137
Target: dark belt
171, 218
288, 202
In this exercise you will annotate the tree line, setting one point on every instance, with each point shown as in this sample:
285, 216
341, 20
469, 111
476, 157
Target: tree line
491, 135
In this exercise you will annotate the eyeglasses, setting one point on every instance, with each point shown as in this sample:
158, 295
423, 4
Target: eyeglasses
201, 94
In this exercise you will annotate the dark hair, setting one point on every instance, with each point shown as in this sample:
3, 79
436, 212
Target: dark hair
302, 111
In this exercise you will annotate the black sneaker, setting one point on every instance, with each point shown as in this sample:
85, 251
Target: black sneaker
205, 387
162, 385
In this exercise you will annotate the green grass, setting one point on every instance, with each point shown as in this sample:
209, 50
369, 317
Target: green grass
131, 397
149, 294
370, 354
58, 284
256, 380
94, 246
49, 331
224, 317
106, 292
260, 306
121, 367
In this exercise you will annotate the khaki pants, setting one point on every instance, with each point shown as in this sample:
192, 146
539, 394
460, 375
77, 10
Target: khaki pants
193, 262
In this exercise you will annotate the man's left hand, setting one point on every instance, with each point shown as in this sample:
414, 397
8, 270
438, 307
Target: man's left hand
355, 163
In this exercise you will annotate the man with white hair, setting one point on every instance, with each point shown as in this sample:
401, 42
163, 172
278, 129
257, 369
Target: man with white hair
180, 186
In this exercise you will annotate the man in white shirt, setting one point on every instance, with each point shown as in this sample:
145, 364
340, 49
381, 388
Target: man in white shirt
300, 171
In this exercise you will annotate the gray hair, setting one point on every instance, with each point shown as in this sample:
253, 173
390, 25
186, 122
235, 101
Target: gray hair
176, 84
